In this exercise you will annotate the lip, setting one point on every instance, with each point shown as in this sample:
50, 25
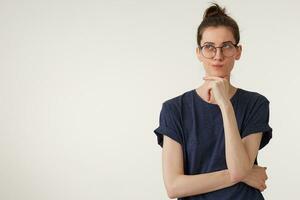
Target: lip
219, 65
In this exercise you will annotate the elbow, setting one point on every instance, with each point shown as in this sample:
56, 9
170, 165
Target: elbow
171, 195
173, 189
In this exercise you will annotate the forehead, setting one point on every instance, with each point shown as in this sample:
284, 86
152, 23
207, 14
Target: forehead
217, 35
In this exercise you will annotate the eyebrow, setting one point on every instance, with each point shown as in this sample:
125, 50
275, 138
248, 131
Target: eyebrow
214, 43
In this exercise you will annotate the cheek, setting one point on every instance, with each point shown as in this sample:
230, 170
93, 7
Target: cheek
206, 66
229, 62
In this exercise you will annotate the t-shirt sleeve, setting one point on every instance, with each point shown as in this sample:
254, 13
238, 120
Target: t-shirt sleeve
258, 121
169, 125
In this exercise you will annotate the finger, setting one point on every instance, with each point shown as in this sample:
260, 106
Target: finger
212, 78
263, 187
217, 77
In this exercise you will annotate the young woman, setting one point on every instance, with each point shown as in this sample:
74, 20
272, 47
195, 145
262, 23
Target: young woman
211, 135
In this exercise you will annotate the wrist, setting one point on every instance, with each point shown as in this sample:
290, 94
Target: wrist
225, 105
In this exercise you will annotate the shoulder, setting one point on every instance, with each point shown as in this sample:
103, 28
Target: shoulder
252, 97
176, 103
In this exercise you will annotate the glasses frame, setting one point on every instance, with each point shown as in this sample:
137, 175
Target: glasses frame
201, 47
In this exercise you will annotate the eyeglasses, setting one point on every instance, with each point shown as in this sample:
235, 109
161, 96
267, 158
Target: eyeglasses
227, 49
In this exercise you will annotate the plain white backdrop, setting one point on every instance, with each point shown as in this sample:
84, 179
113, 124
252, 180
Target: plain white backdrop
82, 84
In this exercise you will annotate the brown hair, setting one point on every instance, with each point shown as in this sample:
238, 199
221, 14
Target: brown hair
216, 16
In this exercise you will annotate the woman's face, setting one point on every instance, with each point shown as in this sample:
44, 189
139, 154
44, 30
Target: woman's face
219, 65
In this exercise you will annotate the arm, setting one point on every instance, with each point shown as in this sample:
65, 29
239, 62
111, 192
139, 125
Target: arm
240, 154
257, 176
180, 185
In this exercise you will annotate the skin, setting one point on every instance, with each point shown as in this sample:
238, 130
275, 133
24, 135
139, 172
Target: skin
217, 35
240, 153
217, 89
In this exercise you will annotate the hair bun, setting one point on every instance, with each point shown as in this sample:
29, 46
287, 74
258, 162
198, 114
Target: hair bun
214, 10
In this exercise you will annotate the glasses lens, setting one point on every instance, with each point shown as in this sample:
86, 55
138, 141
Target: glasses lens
228, 50
208, 51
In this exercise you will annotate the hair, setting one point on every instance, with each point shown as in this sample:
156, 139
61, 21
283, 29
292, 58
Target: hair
215, 16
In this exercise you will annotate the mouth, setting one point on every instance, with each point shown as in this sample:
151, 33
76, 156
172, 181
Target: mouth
217, 66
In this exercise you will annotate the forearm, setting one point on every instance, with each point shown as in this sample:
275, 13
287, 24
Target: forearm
237, 159
189, 185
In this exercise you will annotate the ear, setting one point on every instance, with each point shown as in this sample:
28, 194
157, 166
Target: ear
239, 52
199, 55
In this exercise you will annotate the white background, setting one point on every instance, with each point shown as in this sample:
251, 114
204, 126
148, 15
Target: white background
82, 83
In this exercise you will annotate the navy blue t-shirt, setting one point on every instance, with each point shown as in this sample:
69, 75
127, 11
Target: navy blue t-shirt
198, 126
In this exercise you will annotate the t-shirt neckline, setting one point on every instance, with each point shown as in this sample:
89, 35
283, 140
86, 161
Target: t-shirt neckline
215, 105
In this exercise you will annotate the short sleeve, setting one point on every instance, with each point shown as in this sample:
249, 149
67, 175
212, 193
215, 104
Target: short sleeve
258, 121
169, 125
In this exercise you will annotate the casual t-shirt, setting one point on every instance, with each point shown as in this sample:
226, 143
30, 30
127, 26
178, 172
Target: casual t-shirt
198, 126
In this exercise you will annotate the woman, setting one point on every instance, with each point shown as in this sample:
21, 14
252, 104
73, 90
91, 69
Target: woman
211, 135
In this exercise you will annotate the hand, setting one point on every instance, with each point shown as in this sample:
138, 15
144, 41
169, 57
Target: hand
257, 178
218, 89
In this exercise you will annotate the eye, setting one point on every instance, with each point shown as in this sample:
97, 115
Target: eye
228, 46
209, 47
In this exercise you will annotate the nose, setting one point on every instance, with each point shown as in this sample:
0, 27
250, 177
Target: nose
219, 55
